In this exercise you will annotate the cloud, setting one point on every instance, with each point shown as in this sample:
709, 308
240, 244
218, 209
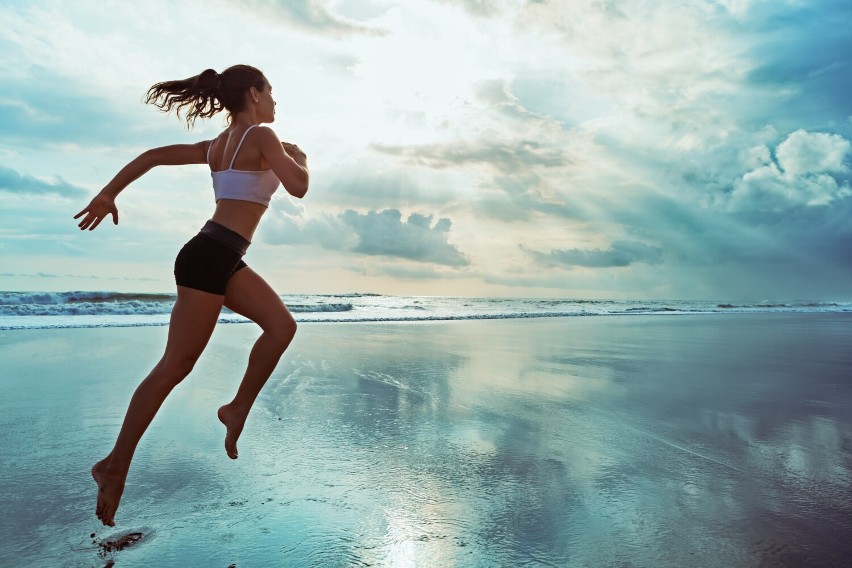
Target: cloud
33, 116
620, 253
14, 182
799, 176
76, 276
309, 15
325, 230
804, 153
503, 156
497, 94
385, 233
484, 8
351, 186
407, 272
521, 164
36, 275
375, 233
514, 139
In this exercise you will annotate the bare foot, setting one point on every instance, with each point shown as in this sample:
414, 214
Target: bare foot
234, 422
110, 488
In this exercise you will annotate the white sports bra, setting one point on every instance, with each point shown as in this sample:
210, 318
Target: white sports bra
243, 185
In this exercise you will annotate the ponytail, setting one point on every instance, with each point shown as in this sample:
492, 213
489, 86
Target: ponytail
207, 93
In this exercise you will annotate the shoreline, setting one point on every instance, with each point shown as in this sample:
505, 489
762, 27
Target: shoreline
435, 319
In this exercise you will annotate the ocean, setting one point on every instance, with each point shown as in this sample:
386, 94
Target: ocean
43, 310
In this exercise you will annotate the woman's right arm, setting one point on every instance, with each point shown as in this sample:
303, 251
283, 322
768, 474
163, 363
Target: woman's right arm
286, 160
103, 203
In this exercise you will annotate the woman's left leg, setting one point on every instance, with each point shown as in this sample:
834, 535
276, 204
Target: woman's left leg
250, 296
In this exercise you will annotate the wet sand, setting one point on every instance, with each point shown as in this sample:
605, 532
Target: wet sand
600, 441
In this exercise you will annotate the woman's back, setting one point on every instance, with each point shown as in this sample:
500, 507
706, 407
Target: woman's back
238, 184
236, 148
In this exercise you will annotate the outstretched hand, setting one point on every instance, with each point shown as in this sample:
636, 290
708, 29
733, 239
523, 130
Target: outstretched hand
96, 211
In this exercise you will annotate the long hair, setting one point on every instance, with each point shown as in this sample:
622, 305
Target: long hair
207, 93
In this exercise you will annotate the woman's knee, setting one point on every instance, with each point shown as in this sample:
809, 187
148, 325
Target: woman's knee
175, 368
283, 331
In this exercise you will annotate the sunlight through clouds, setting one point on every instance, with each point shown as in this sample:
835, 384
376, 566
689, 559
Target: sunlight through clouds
570, 149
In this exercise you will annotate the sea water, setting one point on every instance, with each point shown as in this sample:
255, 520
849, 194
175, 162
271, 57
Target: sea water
39, 310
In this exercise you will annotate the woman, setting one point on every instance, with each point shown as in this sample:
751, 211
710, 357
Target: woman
247, 162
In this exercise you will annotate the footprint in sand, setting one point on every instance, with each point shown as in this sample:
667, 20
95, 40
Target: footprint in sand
110, 545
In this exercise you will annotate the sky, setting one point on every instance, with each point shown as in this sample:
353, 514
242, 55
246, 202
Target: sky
647, 149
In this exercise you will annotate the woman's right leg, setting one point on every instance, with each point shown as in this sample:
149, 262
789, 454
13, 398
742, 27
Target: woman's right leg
192, 321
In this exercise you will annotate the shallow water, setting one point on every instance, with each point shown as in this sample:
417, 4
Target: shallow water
619, 441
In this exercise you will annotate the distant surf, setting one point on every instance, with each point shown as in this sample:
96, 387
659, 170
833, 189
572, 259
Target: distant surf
40, 310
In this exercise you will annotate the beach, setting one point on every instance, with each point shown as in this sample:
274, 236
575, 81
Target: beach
618, 440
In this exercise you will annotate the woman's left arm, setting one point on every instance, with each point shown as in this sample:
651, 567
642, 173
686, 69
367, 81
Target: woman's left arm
103, 203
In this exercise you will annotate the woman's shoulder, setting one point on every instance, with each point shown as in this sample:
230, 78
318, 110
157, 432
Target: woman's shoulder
263, 131
216, 138
262, 135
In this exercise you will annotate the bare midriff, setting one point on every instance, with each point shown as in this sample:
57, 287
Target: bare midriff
240, 216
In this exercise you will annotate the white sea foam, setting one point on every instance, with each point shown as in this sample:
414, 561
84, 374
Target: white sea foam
34, 310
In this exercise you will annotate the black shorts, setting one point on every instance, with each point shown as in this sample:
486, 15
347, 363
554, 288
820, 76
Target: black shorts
210, 258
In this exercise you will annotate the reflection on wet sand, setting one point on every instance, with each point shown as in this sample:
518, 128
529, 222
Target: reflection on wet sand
648, 441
